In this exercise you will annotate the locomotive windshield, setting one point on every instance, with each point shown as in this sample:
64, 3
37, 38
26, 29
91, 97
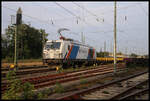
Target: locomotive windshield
53, 45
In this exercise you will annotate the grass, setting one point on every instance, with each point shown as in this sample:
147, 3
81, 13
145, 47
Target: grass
59, 88
105, 92
83, 81
22, 60
139, 87
27, 62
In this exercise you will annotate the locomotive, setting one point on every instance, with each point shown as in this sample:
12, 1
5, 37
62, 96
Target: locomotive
68, 52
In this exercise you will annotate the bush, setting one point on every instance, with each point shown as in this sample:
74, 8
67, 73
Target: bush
27, 90
9, 59
105, 92
59, 88
83, 81
13, 88
16, 87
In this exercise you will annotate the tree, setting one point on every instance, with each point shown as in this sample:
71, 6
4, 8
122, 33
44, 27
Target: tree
29, 41
133, 55
119, 53
102, 54
4, 45
146, 56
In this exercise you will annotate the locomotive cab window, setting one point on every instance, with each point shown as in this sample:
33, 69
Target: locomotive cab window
53, 45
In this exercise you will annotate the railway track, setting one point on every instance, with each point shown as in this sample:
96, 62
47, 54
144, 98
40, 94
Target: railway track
132, 91
140, 92
25, 67
20, 74
79, 94
43, 81
31, 70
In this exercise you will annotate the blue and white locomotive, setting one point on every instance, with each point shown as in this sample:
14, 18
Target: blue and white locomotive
68, 52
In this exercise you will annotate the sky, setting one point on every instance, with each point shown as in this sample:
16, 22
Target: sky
132, 22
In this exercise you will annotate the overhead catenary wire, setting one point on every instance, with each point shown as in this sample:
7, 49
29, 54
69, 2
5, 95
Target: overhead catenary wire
85, 16
95, 14
91, 13
37, 18
49, 23
85, 9
69, 11
43, 21
31, 17
88, 11
73, 14
28, 15
119, 9
122, 31
46, 8
111, 11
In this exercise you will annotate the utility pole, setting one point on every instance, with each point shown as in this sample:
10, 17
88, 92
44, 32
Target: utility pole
105, 49
111, 47
101, 49
126, 51
43, 42
83, 39
15, 57
115, 37
18, 22
82, 24
12, 23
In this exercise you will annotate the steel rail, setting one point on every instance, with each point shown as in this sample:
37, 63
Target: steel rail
50, 76
52, 79
76, 95
135, 93
23, 72
118, 96
24, 67
57, 75
67, 79
71, 78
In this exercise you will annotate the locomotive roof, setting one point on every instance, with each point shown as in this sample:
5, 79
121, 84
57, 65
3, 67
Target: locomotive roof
72, 41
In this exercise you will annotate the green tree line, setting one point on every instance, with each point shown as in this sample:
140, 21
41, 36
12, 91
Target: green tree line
102, 54
29, 42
